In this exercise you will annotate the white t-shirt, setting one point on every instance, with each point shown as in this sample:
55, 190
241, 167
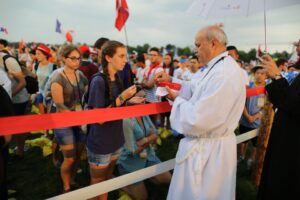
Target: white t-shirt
177, 73
14, 67
186, 75
150, 93
5, 82
140, 74
245, 73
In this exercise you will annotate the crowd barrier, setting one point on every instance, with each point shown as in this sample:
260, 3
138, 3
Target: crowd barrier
21, 124
128, 179
28, 123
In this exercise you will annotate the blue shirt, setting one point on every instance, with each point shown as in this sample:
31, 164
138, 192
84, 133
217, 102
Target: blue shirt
253, 105
291, 76
108, 137
133, 132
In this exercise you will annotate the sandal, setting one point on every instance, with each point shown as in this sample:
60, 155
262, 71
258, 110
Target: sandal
67, 190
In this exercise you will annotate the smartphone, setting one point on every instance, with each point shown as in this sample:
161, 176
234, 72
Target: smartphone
138, 87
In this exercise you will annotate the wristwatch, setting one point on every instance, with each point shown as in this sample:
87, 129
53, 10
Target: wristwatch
278, 76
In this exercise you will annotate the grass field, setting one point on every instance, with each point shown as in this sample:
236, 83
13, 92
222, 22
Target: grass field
35, 177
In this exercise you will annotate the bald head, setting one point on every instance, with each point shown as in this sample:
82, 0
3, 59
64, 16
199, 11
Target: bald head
210, 42
214, 33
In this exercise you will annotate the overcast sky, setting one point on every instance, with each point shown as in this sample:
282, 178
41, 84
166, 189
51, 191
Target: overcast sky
156, 22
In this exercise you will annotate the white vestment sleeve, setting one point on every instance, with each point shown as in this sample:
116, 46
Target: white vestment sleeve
186, 88
202, 114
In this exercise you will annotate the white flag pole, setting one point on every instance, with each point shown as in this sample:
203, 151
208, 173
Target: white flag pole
126, 40
265, 26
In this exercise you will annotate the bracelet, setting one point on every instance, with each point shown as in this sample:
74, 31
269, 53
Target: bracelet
121, 98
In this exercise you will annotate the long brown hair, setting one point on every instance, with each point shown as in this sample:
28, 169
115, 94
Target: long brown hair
109, 49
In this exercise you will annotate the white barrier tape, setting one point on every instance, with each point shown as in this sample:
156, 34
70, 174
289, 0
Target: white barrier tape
128, 179
246, 136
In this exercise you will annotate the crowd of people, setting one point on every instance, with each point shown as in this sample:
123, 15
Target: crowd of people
72, 78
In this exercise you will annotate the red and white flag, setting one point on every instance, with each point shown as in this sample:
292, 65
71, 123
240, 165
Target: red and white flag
69, 36
122, 14
258, 53
22, 44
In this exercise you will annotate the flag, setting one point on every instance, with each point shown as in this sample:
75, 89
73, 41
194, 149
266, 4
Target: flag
176, 54
58, 27
122, 13
258, 53
3, 29
69, 36
165, 51
33, 45
22, 44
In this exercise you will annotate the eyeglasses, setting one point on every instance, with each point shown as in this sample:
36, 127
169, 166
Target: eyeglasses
75, 58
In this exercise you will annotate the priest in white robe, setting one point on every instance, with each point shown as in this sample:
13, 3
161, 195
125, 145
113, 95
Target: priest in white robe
207, 111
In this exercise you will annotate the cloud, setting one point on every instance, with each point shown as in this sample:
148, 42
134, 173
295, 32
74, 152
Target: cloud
156, 22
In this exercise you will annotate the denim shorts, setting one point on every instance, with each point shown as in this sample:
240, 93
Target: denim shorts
39, 98
101, 159
69, 135
123, 171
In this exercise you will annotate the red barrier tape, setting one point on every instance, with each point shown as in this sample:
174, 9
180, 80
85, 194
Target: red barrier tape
28, 123
255, 91
23, 124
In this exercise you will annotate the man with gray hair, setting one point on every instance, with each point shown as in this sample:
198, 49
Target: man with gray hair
207, 111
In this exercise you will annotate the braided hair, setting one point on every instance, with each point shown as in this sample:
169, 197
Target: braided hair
109, 49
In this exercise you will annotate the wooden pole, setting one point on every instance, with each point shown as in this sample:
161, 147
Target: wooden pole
263, 139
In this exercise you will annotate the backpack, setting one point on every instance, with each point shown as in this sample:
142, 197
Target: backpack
32, 85
86, 95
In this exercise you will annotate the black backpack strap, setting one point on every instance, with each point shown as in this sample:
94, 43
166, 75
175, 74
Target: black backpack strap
36, 65
4, 61
106, 89
10, 56
54, 67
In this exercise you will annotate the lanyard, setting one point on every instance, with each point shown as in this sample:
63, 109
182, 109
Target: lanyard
77, 83
213, 66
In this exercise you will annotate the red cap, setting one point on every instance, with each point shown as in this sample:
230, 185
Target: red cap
84, 49
93, 51
44, 49
173, 86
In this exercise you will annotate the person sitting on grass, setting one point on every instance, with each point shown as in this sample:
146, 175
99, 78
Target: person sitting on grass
137, 153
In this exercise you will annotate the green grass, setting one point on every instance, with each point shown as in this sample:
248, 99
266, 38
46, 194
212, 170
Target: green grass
35, 177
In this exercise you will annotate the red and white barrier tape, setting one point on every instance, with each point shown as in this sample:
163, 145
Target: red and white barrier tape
28, 123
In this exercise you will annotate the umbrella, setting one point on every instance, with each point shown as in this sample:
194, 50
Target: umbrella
222, 8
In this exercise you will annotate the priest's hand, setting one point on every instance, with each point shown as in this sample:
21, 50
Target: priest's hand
270, 66
162, 77
172, 94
